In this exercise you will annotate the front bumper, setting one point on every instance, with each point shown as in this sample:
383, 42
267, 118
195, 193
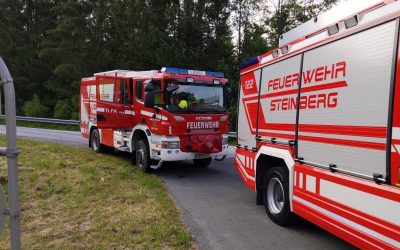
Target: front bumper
178, 155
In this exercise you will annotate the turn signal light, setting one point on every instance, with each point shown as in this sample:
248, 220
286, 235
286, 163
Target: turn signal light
333, 29
351, 22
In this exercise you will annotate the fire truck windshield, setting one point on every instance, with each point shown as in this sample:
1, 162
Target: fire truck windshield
196, 98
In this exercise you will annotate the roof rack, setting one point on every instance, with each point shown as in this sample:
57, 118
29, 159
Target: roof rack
128, 73
331, 23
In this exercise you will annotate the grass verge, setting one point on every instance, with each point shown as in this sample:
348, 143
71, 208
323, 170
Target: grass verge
44, 125
73, 198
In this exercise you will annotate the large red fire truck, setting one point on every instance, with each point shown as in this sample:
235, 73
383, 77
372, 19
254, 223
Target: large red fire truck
319, 124
158, 115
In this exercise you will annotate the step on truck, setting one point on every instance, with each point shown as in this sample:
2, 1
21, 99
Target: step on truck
319, 124
159, 116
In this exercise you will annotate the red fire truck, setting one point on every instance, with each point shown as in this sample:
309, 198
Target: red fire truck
319, 124
158, 115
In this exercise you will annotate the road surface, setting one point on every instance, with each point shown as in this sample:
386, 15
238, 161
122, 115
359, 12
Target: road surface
219, 210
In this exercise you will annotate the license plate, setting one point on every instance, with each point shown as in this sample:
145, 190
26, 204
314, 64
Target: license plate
201, 156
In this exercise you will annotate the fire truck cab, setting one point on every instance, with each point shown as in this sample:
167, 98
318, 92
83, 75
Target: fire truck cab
319, 124
158, 115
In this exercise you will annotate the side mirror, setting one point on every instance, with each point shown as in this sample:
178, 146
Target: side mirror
149, 99
149, 96
149, 87
172, 88
228, 97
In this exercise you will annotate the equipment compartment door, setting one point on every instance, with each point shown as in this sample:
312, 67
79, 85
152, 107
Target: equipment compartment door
278, 100
344, 103
114, 109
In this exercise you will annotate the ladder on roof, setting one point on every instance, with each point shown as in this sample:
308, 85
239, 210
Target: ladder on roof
128, 73
336, 14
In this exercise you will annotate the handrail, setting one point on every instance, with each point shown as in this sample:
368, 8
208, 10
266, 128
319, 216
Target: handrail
11, 152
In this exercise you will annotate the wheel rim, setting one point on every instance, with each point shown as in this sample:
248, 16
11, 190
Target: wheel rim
140, 156
275, 195
94, 142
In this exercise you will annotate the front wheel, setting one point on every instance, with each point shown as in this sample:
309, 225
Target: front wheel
202, 162
276, 196
143, 156
95, 141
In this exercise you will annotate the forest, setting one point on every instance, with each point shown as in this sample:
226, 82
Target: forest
49, 45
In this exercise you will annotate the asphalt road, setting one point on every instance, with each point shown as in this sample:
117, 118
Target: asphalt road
219, 210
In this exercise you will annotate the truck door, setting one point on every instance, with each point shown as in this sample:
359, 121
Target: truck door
247, 109
395, 132
114, 103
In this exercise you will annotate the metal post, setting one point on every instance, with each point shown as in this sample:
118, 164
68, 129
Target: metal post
11, 153
1, 110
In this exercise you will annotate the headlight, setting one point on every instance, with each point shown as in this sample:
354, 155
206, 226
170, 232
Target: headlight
170, 144
224, 141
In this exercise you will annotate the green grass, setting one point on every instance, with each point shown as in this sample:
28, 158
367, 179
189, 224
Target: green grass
44, 125
72, 198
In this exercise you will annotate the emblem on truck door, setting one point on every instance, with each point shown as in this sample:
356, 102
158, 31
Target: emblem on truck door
203, 118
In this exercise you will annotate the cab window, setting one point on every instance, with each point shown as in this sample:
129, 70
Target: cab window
139, 90
157, 92
106, 90
123, 92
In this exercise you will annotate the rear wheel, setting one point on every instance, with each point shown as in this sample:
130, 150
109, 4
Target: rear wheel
143, 155
276, 195
202, 162
95, 141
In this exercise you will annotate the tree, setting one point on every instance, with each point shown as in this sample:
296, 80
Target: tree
62, 110
244, 12
24, 26
50, 45
285, 15
65, 49
34, 108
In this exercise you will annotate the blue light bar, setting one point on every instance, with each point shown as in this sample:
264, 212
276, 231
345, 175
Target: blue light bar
174, 70
191, 72
250, 62
215, 74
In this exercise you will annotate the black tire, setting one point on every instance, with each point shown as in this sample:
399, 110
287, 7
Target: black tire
276, 196
133, 155
143, 156
259, 197
202, 162
95, 141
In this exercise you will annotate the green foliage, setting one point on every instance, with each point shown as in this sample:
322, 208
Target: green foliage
75, 107
62, 110
50, 45
34, 108
287, 14
233, 115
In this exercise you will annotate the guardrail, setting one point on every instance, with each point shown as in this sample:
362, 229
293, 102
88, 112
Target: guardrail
65, 122
44, 120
